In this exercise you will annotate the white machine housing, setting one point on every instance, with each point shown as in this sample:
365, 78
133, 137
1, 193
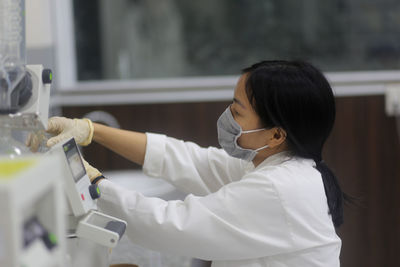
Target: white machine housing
38, 105
76, 181
35, 191
85, 221
34, 114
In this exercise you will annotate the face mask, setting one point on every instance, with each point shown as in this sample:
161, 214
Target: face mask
228, 133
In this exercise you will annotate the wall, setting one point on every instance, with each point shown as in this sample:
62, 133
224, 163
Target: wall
363, 150
39, 32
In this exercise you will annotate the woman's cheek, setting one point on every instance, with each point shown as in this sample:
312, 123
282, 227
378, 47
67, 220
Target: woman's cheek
241, 141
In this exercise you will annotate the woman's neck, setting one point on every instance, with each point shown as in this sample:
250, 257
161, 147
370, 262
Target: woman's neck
264, 154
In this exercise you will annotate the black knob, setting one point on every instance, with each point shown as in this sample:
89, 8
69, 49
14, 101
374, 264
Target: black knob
94, 191
47, 76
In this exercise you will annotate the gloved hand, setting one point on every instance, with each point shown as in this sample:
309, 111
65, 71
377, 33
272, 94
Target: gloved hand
91, 171
64, 128
34, 140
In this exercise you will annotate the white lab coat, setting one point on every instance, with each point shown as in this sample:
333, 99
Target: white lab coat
275, 215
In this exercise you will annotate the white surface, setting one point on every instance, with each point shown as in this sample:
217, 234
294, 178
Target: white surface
113, 92
36, 255
128, 252
38, 24
392, 100
64, 40
2, 242
85, 253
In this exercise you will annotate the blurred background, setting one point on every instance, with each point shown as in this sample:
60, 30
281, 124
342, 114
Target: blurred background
171, 66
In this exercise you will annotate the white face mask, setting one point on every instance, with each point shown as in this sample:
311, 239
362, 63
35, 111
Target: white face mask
228, 133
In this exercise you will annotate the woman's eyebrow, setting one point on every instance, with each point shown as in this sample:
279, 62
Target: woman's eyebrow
238, 102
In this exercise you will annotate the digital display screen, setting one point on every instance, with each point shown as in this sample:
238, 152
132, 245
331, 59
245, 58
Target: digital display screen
74, 160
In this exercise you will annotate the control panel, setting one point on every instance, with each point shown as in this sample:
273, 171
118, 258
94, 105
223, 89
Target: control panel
80, 192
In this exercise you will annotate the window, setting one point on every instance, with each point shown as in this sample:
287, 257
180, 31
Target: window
130, 39
147, 51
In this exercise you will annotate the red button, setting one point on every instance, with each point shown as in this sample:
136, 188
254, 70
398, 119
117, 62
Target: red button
83, 198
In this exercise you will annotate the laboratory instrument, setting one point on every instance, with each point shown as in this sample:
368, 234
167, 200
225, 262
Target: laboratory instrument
32, 223
32, 212
28, 111
84, 221
12, 52
29, 106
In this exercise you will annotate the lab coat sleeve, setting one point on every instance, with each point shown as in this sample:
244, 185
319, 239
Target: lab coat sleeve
242, 220
190, 168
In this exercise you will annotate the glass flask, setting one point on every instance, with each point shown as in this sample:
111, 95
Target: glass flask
12, 48
10, 147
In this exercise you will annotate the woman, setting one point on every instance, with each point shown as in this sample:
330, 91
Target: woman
265, 199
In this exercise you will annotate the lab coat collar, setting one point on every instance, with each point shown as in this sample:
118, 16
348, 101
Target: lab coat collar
272, 160
276, 159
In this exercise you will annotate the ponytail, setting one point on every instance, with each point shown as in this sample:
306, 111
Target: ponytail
333, 193
296, 96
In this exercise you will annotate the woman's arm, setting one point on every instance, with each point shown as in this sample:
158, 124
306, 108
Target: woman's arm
129, 144
240, 221
192, 168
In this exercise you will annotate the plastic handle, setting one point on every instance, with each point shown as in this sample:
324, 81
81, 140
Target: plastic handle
47, 76
94, 191
117, 227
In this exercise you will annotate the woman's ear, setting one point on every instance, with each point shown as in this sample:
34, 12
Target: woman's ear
278, 137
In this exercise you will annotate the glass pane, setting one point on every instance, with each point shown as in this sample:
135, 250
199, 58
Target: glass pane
125, 39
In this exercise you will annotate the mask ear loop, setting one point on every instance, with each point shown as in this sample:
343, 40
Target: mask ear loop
261, 148
253, 131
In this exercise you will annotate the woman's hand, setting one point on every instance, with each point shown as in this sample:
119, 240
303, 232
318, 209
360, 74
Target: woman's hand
91, 171
34, 140
64, 128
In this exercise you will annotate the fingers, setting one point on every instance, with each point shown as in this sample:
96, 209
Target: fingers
56, 139
32, 142
55, 125
86, 164
28, 140
91, 171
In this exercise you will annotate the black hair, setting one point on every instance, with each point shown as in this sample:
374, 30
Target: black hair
296, 97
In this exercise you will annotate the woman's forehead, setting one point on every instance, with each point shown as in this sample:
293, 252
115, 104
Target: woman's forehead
240, 90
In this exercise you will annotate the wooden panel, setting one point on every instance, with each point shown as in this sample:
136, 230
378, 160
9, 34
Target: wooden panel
363, 150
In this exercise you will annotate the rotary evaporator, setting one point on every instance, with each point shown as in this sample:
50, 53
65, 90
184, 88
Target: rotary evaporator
48, 206
31, 202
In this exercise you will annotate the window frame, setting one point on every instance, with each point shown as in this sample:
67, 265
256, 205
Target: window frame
70, 91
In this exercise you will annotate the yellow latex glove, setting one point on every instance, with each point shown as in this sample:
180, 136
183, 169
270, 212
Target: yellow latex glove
64, 128
91, 171
35, 140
